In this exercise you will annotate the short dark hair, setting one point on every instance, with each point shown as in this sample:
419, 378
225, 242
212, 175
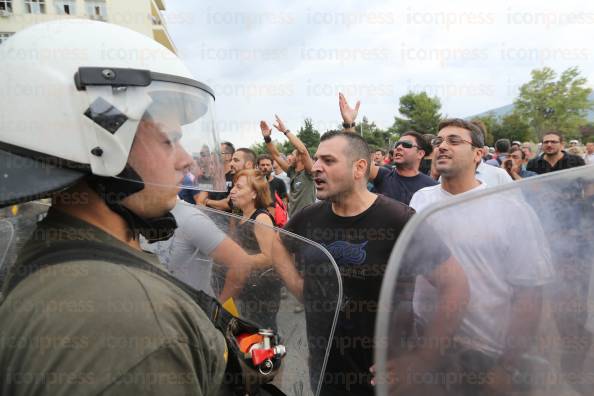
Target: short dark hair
248, 154
421, 141
514, 149
381, 150
357, 147
263, 157
477, 135
502, 145
556, 133
230, 146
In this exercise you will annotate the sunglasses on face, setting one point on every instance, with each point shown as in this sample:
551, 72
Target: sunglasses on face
452, 140
405, 144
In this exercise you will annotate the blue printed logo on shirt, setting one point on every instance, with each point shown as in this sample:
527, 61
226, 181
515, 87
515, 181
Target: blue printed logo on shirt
346, 253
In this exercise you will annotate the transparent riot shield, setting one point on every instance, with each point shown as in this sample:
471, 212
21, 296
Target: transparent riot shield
258, 273
17, 222
500, 295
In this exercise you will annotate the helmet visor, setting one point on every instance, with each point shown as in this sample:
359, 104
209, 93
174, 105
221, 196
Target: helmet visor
175, 142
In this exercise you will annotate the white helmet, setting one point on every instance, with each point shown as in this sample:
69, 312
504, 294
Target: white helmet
72, 95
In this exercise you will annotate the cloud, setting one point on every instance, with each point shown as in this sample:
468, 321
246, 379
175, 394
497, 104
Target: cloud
267, 57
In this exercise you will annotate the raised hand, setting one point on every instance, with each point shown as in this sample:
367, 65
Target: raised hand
349, 115
279, 124
266, 130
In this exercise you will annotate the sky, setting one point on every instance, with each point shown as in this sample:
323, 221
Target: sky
292, 58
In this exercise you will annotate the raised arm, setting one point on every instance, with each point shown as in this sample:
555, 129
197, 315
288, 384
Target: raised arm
349, 116
266, 132
298, 144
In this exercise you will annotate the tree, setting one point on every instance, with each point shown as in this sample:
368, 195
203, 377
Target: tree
512, 127
260, 148
546, 103
309, 136
375, 137
421, 113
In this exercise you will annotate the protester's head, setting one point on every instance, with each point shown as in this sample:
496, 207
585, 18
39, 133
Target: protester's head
590, 148
527, 150
574, 143
516, 143
410, 150
502, 146
458, 148
429, 138
552, 143
227, 150
575, 150
517, 156
243, 158
341, 166
265, 164
250, 190
378, 157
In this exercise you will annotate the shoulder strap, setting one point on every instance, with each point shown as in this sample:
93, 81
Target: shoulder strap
66, 251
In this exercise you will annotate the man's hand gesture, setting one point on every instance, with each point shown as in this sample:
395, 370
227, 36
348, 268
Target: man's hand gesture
266, 130
280, 124
349, 115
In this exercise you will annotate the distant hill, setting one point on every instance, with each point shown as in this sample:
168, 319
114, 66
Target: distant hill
502, 111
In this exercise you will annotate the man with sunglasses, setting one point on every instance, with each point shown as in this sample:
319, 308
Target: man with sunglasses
405, 179
553, 158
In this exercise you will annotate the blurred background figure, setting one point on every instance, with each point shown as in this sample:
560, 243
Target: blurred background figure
254, 233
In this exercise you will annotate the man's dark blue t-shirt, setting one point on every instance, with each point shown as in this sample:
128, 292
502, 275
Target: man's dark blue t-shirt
401, 188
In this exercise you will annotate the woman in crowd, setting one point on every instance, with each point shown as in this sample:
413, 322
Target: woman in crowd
260, 298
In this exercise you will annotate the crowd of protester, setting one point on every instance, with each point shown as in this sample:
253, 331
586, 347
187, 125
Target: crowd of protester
348, 186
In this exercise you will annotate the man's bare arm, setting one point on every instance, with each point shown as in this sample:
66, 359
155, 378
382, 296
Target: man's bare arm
453, 296
266, 132
297, 143
284, 266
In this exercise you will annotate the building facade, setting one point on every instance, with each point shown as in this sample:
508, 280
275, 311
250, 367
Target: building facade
143, 16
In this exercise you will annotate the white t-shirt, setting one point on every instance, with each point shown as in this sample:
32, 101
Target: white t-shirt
491, 175
186, 253
428, 195
499, 242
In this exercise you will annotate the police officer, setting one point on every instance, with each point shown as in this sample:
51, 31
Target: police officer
92, 116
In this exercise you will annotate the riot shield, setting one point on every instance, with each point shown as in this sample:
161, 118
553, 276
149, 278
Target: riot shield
502, 297
252, 268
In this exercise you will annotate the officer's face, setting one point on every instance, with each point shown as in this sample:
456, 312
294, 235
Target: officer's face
158, 157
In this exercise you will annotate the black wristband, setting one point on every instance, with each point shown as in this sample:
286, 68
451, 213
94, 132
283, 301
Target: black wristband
285, 132
267, 139
346, 125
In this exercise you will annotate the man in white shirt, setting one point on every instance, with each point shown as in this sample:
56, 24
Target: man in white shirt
505, 278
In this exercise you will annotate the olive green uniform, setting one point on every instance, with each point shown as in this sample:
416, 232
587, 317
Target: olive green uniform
94, 327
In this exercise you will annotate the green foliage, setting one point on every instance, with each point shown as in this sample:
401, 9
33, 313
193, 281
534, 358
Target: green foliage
377, 138
260, 148
511, 127
421, 114
546, 102
309, 136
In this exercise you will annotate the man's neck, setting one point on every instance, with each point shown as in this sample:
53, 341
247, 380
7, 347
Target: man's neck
407, 171
460, 183
227, 167
552, 159
93, 210
353, 203
270, 177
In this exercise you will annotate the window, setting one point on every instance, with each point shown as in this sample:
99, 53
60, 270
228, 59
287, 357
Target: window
4, 36
6, 5
65, 7
35, 6
96, 9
